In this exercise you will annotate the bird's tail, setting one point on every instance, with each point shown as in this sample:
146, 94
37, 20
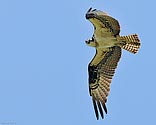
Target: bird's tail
132, 43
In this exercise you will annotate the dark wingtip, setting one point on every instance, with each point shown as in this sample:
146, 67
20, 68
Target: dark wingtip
96, 110
100, 109
97, 117
105, 108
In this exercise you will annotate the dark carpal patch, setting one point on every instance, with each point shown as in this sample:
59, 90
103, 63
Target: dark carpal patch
92, 74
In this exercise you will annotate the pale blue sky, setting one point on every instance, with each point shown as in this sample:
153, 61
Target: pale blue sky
43, 63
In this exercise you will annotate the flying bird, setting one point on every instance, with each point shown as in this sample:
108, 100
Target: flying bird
108, 44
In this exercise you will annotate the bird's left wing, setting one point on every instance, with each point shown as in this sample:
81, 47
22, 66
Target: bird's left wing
108, 25
100, 76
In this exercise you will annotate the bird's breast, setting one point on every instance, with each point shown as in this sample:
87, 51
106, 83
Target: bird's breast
105, 42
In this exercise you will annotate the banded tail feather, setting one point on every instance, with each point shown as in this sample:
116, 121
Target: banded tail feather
132, 43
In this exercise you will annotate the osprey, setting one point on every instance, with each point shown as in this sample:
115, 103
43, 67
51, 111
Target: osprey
108, 44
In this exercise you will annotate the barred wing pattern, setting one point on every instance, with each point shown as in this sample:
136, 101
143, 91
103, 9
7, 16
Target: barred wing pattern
100, 77
111, 24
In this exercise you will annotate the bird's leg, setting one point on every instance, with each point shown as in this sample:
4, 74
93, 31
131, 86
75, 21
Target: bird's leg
91, 42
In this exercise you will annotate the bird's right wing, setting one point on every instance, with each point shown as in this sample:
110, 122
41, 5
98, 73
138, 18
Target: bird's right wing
100, 77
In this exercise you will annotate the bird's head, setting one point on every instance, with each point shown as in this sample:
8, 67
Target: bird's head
94, 13
96, 17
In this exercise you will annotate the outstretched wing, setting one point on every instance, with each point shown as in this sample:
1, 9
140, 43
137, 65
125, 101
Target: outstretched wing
101, 70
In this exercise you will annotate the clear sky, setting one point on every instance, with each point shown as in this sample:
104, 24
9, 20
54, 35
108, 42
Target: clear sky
43, 63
